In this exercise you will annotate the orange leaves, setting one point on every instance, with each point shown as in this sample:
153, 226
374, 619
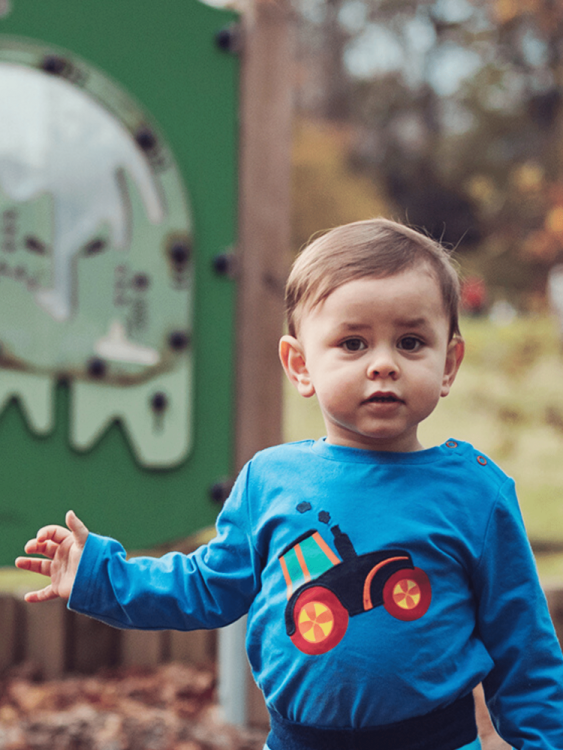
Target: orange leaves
546, 13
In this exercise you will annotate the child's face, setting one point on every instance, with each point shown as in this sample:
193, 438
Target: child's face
377, 354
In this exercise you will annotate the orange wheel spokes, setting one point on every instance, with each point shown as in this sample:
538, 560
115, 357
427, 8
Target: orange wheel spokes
316, 622
407, 594
320, 620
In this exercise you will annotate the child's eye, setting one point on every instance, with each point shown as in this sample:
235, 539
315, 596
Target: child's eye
410, 344
353, 345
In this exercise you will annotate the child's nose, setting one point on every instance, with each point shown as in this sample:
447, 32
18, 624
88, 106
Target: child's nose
383, 364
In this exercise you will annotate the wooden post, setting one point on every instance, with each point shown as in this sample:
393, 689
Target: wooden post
262, 260
142, 648
264, 222
11, 640
194, 647
90, 644
46, 637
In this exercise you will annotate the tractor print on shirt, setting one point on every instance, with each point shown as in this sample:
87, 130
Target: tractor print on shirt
325, 589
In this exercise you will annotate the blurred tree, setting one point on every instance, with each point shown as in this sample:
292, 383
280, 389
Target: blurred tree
457, 111
326, 190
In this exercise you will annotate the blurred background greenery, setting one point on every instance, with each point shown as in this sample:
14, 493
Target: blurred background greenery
448, 115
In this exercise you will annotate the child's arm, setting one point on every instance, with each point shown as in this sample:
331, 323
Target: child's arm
209, 588
524, 690
62, 549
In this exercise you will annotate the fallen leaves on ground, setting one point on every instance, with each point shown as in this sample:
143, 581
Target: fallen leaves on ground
172, 707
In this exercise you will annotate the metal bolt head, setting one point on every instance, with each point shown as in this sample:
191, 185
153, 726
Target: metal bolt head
178, 340
180, 254
228, 39
146, 139
159, 402
96, 368
54, 65
224, 264
220, 491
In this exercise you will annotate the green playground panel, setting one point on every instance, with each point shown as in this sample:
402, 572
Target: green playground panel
165, 57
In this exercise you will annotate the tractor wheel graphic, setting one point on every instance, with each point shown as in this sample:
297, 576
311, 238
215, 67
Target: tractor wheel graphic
407, 594
320, 621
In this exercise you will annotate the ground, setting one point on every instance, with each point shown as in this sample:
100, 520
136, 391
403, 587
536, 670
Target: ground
172, 707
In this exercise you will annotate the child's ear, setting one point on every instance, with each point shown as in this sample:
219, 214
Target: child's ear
454, 358
293, 360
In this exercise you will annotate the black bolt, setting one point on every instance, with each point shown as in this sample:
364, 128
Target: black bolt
54, 65
159, 402
224, 264
228, 39
180, 253
178, 340
146, 139
96, 368
220, 491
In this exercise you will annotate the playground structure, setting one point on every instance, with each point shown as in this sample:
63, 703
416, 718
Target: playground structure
205, 97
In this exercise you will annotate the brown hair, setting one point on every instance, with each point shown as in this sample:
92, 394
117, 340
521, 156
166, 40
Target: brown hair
375, 247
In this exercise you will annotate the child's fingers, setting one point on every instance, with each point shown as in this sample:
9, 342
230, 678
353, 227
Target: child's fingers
57, 534
42, 595
53, 532
34, 564
77, 527
33, 547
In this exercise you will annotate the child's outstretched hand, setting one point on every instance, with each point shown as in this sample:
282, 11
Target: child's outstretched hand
63, 550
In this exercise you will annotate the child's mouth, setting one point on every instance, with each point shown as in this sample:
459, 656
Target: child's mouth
383, 398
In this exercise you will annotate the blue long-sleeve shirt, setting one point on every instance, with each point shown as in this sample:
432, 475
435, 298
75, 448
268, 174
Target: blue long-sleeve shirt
432, 588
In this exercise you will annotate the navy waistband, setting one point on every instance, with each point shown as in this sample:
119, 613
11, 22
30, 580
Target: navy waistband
444, 729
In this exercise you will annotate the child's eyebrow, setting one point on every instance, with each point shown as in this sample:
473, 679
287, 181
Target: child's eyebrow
354, 326
412, 322
403, 322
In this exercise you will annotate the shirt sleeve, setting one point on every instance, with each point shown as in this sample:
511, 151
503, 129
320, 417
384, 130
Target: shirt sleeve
209, 588
524, 690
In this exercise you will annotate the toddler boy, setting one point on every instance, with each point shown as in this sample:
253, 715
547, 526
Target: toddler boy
382, 581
